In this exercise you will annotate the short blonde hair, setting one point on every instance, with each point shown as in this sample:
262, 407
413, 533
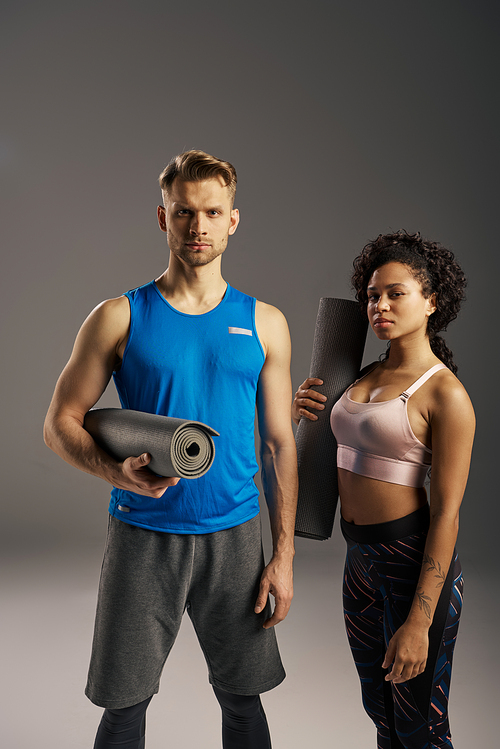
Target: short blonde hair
194, 166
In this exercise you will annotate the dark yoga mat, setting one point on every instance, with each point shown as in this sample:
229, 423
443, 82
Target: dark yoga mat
339, 341
178, 447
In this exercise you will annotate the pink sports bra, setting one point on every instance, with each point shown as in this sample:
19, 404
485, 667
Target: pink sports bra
376, 440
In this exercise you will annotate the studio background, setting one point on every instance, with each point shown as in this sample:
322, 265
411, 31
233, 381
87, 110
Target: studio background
343, 120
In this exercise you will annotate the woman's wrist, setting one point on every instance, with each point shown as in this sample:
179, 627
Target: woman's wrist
421, 614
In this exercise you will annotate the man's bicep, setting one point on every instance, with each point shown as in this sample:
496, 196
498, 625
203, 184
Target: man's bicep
79, 387
275, 388
93, 359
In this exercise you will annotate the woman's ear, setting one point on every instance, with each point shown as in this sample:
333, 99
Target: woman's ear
431, 304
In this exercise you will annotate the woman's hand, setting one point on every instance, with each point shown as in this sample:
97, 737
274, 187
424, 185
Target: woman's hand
407, 652
306, 398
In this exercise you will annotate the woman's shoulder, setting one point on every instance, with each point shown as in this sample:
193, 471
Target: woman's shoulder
444, 381
447, 394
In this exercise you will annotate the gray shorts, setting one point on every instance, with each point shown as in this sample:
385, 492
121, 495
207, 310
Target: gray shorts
148, 580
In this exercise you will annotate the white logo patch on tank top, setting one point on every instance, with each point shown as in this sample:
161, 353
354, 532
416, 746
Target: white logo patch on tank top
240, 331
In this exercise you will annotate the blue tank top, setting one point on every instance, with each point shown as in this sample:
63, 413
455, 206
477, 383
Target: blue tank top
200, 367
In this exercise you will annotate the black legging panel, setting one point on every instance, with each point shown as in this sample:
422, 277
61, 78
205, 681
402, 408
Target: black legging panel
244, 724
124, 728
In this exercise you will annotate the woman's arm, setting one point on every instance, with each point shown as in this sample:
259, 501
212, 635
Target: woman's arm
452, 422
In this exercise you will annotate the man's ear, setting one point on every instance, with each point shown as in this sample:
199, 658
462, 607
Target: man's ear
162, 218
235, 220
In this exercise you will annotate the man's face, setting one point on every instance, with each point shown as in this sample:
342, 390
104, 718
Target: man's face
198, 219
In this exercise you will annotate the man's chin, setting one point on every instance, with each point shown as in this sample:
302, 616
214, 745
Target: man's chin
198, 258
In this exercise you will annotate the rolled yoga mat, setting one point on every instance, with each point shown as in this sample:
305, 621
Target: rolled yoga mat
339, 341
178, 447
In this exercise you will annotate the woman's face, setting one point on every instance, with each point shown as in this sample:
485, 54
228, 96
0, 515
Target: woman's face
396, 305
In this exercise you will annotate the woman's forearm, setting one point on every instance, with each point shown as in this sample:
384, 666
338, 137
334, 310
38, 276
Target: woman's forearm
438, 553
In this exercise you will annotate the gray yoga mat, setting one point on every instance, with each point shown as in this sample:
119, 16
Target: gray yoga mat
178, 447
339, 341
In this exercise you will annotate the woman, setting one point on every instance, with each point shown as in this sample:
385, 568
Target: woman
403, 582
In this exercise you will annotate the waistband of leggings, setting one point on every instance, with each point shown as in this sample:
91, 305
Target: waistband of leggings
415, 522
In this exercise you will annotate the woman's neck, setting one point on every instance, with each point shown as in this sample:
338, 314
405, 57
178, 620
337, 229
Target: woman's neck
410, 354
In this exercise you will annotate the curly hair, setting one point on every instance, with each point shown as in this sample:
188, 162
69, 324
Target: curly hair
429, 263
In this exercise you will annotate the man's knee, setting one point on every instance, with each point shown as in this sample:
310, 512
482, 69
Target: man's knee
124, 727
241, 710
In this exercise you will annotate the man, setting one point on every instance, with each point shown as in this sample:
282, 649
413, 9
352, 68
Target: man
188, 345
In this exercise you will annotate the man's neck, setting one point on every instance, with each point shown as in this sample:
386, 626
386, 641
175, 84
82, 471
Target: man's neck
193, 290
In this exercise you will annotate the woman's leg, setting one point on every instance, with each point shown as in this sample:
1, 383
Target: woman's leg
383, 565
421, 704
124, 728
244, 724
364, 620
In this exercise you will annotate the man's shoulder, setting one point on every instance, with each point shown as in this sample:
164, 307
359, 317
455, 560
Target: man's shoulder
104, 328
268, 313
272, 328
111, 313
114, 306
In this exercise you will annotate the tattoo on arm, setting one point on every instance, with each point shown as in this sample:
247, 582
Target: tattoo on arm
422, 602
432, 565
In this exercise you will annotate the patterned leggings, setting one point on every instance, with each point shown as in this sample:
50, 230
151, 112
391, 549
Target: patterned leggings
382, 568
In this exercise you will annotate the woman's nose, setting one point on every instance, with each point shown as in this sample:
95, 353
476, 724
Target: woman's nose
383, 303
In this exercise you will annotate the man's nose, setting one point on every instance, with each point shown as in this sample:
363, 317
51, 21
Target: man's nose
198, 224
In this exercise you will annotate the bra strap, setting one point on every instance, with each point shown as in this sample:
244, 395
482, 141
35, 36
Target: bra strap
427, 375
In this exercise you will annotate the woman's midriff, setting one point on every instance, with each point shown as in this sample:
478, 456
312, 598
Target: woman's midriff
365, 501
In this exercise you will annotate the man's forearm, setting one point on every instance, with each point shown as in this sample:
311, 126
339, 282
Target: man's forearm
67, 438
280, 482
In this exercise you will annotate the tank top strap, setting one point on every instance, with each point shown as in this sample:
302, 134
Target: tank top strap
421, 380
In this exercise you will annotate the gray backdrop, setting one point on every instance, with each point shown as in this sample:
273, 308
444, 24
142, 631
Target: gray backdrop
343, 120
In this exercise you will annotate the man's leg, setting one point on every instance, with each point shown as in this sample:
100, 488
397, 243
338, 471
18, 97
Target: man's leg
244, 724
242, 657
142, 596
124, 728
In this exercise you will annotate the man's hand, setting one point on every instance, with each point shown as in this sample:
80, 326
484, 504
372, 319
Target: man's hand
277, 579
136, 477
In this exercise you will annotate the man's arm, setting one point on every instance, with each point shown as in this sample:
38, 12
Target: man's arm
96, 353
278, 458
